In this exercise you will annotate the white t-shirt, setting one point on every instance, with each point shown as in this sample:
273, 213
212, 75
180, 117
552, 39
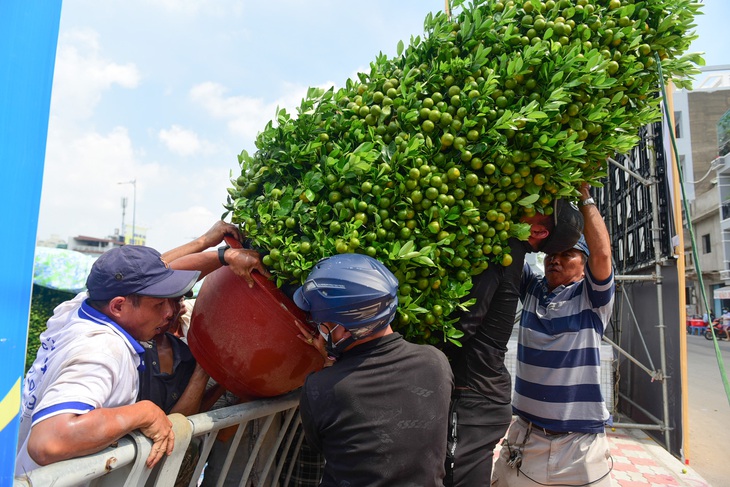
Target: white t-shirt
85, 361
725, 319
185, 319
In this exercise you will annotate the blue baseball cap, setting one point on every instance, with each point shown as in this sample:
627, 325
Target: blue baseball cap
135, 269
582, 246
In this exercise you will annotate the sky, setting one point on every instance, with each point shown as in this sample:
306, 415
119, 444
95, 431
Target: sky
167, 93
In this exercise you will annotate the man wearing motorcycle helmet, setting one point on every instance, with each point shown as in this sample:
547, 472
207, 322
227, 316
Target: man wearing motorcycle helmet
379, 414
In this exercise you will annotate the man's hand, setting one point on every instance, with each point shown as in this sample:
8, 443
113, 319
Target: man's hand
159, 430
244, 261
585, 191
314, 339
220, 229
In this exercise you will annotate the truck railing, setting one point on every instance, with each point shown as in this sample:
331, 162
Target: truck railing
123, 464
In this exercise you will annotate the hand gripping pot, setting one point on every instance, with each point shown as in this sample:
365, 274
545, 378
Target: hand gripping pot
567, 230
352, 290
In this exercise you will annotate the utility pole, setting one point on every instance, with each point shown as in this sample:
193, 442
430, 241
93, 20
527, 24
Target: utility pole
124, 207
133, 182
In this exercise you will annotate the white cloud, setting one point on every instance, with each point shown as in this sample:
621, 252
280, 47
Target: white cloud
80, 190
82, 74
181, 141
82, 195
247, 116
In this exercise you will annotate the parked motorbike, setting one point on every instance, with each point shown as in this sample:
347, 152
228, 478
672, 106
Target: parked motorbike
717, 328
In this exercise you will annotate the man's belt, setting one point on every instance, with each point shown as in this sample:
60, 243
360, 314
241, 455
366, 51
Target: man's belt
545, 431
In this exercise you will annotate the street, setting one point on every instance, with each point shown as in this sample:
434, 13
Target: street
709, 411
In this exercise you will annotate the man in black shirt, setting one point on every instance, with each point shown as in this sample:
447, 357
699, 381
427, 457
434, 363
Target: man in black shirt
379, 413
481, 409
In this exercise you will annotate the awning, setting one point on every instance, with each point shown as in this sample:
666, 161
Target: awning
722, 293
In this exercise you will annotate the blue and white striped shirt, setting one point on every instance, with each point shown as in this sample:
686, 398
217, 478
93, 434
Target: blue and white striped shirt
558, 375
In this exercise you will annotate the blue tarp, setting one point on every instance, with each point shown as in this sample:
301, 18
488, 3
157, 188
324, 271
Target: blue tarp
61, 269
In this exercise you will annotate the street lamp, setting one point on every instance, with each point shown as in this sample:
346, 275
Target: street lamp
133, 182
124, 211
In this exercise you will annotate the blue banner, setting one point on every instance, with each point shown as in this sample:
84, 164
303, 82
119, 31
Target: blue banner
28, 40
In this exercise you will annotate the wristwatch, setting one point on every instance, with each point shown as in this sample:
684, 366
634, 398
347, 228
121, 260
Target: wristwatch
222, 253
588, 201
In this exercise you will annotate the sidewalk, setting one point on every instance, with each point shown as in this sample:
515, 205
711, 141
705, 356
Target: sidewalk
639, 461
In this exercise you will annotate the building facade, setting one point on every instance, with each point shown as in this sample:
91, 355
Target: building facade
706, 171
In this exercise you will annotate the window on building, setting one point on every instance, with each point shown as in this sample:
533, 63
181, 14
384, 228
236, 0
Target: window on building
706, 244
678, 125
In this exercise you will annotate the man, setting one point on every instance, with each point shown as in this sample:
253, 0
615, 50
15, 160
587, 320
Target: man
725, 320
378, 414
558, 437
80, 393
172, 378
481, 408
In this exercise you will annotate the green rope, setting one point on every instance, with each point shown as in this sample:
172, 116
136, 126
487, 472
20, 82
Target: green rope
720, 362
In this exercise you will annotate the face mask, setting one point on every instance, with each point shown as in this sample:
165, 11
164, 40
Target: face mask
334, 349
325, 335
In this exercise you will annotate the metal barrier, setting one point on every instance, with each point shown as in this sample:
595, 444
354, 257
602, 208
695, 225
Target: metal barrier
123, 464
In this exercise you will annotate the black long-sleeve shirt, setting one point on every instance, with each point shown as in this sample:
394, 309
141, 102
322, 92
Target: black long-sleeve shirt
487, 326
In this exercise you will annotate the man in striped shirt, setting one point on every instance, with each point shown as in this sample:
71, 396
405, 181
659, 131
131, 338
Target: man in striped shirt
558, 437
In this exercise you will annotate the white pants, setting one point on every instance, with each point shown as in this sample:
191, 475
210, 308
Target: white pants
569, 459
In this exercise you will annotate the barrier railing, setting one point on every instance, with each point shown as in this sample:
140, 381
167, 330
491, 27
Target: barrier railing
123, 464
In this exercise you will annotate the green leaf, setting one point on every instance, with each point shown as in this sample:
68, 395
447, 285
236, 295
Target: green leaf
422, 259
520, 231
406, 248
529, 200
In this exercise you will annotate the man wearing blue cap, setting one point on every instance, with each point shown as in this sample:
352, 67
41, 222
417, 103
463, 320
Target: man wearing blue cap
558, 437
80, 394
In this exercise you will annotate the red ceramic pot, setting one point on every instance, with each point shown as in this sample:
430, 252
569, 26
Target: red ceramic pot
246, 338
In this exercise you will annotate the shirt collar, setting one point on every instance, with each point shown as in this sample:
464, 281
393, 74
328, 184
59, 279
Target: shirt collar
86, 311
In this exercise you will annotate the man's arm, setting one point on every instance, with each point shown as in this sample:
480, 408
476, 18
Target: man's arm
211, 238
192, 256
484, 287
597, 238
241, 261
73, 435
192, 396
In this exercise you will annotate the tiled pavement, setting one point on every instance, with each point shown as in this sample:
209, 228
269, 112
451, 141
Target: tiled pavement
639, 461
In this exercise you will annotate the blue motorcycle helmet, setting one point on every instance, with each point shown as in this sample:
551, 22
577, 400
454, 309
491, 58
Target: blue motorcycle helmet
354, 291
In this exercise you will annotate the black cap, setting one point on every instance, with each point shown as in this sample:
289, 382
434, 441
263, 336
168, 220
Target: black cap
568, 228
135, 269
